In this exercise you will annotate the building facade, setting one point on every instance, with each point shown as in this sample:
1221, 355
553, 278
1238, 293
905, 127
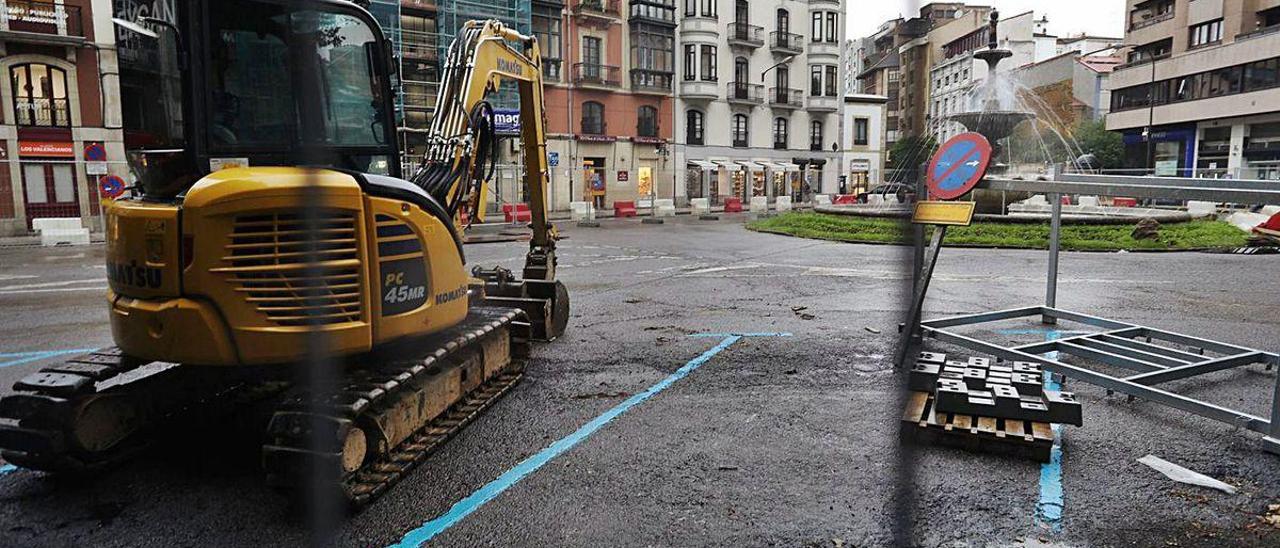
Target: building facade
1200, 92
881, 73
59, 102
757, 97
862, 140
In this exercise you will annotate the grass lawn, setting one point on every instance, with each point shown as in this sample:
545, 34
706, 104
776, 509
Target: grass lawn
842, 228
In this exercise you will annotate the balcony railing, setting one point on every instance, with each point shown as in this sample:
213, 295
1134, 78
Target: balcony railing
551, 69
598, 75
786, 97
651, 80
1157, 19
40, 112
786, 42
42, 18
779, 145
743, 34
743, 92
607, 8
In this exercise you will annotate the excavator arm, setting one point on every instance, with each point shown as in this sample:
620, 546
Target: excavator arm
462, 153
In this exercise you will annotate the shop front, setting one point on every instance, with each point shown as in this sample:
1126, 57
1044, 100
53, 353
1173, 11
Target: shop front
1170, 151
859, 179
48, 176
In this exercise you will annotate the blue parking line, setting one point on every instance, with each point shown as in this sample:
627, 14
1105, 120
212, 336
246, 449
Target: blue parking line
1051, 503
5, 469
723, 335
28, 357
474, 501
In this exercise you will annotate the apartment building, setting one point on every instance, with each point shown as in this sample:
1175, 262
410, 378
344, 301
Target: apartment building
59, 103
1071, 87
944, 24
881, 72
757, 97
1199, 94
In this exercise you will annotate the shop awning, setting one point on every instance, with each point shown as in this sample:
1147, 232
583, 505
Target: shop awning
703, 164
726, 164
751, 166
787, 166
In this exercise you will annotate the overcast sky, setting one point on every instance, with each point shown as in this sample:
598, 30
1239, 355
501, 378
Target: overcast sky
1096, 17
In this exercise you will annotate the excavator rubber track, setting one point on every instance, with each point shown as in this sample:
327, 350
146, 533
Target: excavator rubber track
386, 418
96, 410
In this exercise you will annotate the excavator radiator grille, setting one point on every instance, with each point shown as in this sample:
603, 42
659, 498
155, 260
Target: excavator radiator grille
267, 260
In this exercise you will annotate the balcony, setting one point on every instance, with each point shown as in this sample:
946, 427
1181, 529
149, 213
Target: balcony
651, 81
747, 36
42, 22
707, 26
823, 103
551, 69
786, 98
786, 43
1145, 20
598, 12
42, 112
743, 93
699, 89
600, 76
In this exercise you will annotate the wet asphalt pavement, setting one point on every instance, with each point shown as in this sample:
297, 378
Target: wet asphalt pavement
787, 441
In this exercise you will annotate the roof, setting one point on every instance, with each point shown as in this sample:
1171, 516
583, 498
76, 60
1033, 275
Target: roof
890, 60
865, 98
1101, 63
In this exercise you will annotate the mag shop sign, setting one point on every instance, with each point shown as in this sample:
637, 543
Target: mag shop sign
506, 121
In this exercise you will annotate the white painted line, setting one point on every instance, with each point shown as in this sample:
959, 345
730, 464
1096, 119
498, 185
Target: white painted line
54, 290
52, 284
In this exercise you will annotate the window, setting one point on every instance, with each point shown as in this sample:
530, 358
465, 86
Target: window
860, 131
815, 135
1262, 74
592, 118
709, 63
780, 133
690, 62
1206, 33
741, 72
1231, 80
816, 29
708, 8
647, 121
40, 95
660, 10
739, 130
691, 8
831, 27
832, 79
741, 11
693, 127
546, 28
815, 80
591, 57
783, 21
652, 48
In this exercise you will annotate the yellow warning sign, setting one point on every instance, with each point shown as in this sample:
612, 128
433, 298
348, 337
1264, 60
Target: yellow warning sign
943, 213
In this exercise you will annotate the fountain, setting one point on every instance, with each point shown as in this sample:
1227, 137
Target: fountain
992, 120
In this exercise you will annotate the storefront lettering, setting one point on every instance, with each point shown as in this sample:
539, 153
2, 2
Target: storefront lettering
46, 149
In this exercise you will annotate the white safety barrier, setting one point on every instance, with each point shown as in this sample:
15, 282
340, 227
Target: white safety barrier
701, 206
1038, 199
782, 203
759, 204
61, 231
1087, 201
664, 207
1199, 208
875, 199
580, 211
822, 199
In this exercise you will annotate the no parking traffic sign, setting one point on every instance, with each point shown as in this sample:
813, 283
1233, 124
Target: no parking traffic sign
958, 165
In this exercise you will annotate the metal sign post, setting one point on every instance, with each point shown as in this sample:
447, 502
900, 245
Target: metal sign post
957, 166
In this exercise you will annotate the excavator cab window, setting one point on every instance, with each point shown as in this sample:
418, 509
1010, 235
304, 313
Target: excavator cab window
270, 82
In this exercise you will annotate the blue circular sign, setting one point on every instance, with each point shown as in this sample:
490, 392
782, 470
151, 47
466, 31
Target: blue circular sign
94, 152
958, 165
112, 186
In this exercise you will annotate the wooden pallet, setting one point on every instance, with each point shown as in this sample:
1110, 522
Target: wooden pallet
1026, 439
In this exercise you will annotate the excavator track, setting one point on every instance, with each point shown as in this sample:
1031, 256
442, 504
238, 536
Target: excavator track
386, 418
96, 410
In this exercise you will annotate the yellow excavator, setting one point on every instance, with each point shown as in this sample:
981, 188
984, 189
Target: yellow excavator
274, 247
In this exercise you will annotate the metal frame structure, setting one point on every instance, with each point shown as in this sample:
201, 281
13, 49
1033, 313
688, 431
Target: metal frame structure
1154, 356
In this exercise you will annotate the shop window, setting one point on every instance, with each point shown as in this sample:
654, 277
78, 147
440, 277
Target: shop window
694, 126
40, 95
647, 121
739, 130
593, 118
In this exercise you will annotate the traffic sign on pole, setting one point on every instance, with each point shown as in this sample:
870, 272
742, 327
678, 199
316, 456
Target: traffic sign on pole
112, 186
958, 165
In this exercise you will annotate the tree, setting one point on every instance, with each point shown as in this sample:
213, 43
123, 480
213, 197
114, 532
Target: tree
1106, 146
910, 152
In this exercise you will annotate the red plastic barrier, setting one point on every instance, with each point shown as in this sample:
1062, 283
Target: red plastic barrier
517, 213
1272, 224
845, 199
1124, 202
1066, 200
733, 205
624, 209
